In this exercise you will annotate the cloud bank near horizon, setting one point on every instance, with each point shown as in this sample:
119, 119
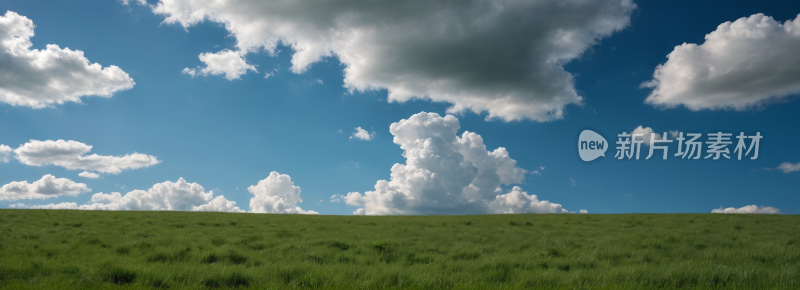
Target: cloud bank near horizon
274, 194
749, 209
174, 196
47, 187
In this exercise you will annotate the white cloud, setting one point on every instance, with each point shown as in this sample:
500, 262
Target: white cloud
267, 74
63, 205
362, 134
743, 63
748, 209
518, 201
446, 174
584, 211
219, 203
40, 78
788, 167
90, 175
337, 198
226, 62
70, 155
176, 196
276, 194
141, 2
167, 195
427, 49
5, 152
189, 71
46, 187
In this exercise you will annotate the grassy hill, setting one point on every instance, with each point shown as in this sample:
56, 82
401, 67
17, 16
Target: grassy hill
100, 249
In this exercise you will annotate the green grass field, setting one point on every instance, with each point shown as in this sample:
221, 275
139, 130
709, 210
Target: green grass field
100, 249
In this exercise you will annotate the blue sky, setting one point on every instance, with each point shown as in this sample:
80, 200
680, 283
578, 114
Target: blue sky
227, 135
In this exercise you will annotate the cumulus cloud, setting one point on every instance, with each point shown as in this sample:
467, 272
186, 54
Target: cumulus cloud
46, 187
447, 174
167, 195
362, 134
219, 203
40, 78
584, 211
788, 167
276, 194
90, 175
175, 196
748, 209
5, 152
70, 155
337, 198
741, 64
226, 62
502, 57
518, 201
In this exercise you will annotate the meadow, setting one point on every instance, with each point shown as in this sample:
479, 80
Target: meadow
64, 249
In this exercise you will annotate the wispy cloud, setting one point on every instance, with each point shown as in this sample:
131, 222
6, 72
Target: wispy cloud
789, 167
